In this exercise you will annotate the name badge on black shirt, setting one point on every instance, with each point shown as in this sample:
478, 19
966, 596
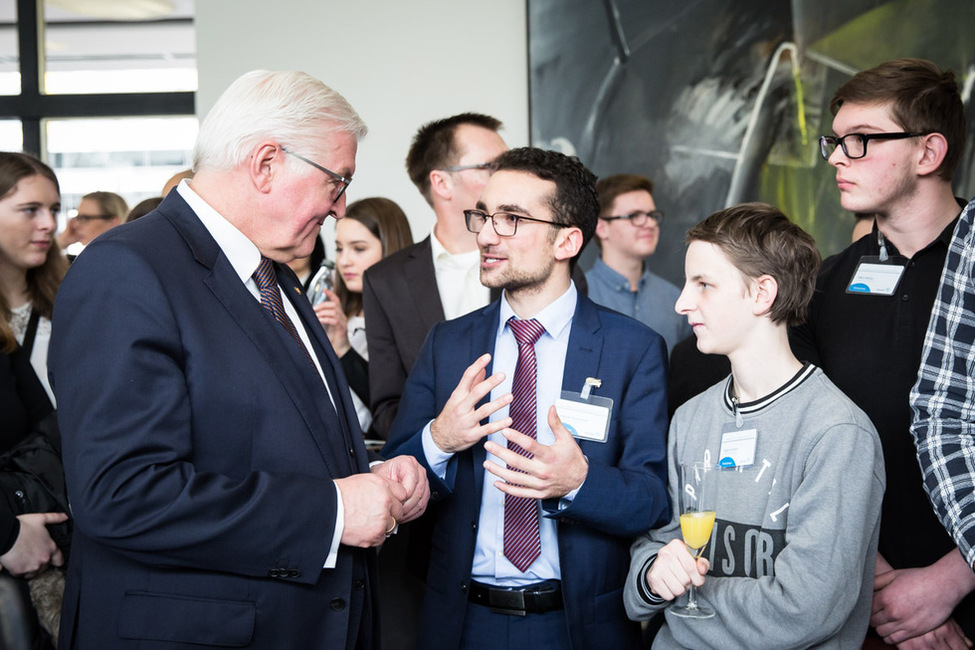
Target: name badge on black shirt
875, 278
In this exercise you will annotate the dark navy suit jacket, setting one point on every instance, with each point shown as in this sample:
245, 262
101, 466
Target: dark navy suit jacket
623, 495
200, 451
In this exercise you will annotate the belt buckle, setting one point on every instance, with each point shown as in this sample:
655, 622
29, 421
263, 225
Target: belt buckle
507, 601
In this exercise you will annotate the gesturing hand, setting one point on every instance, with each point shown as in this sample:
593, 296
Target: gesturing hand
459, 426
553, 471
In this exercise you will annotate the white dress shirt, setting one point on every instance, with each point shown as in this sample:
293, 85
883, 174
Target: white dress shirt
244, 257
458, 280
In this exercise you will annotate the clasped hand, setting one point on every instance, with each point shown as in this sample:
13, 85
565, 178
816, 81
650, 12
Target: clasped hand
912, 607
33, 549
392, 493
675, 569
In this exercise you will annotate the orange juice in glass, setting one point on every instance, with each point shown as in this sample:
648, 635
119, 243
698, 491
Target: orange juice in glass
698, 503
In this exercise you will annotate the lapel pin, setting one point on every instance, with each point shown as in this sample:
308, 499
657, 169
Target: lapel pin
298, 289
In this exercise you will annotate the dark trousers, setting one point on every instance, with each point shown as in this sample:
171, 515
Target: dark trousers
486, 630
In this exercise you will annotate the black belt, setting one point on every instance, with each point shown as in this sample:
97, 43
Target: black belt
538, 598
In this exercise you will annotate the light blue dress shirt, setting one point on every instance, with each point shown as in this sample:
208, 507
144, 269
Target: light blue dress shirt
490, 566
652, 303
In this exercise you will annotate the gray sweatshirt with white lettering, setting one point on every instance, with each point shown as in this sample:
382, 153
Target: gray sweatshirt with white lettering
793, 548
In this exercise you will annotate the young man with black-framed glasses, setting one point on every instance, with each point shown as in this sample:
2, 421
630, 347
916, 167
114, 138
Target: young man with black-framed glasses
627, 234
898, 136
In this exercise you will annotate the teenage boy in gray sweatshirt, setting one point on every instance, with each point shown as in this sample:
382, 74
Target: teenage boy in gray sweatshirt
790, 562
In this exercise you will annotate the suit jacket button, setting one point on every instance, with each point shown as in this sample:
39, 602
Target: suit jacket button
359, 585
337, 605
274, 573
463, 587
294, 573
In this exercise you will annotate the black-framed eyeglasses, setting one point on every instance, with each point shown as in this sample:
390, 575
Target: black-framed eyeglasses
855, 144
85, 218
505, 223
638, 218
343, 182
488, 167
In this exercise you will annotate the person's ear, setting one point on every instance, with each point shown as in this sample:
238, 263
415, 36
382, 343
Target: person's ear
933, 154
568, 243
766, 288
264, 162
441, 184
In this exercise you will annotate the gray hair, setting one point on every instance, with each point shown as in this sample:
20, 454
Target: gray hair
289, 107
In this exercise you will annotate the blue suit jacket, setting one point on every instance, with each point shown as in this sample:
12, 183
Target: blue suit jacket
624, 493
200, 452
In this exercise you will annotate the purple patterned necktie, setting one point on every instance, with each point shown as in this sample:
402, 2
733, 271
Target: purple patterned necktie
521, 542
267, 284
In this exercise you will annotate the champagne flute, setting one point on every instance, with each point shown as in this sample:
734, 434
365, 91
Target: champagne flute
698, 501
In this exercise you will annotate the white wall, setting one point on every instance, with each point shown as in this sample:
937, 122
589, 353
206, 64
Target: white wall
400, 63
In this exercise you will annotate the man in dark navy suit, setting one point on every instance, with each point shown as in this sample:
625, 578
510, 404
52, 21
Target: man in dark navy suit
221, 490
541, 420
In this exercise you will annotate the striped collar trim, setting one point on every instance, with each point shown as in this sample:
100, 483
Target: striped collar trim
752, 407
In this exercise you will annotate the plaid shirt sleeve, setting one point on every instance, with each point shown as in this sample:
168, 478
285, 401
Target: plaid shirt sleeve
943, 399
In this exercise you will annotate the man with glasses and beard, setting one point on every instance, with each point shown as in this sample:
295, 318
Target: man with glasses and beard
541, 420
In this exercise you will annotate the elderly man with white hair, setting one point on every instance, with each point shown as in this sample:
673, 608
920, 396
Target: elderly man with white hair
222, 493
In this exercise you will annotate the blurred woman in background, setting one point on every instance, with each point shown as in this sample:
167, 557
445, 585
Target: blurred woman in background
372, 229
97, 212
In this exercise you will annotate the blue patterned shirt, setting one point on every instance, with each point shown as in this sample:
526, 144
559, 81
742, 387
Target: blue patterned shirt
943, 399
652, 303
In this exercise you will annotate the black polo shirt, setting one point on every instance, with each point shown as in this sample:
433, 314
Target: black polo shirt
870, 347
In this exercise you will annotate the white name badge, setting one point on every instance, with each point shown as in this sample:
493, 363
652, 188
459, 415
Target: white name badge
875, 279
738, 448
585, 420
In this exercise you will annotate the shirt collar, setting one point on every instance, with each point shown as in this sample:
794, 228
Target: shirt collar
554, 318
943, 238
601, 268
243, 255
442, 255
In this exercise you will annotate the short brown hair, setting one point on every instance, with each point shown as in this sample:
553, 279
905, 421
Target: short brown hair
44, 280
574, 202
922, 97
434, 147
388, 223
759, 240
612, 186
